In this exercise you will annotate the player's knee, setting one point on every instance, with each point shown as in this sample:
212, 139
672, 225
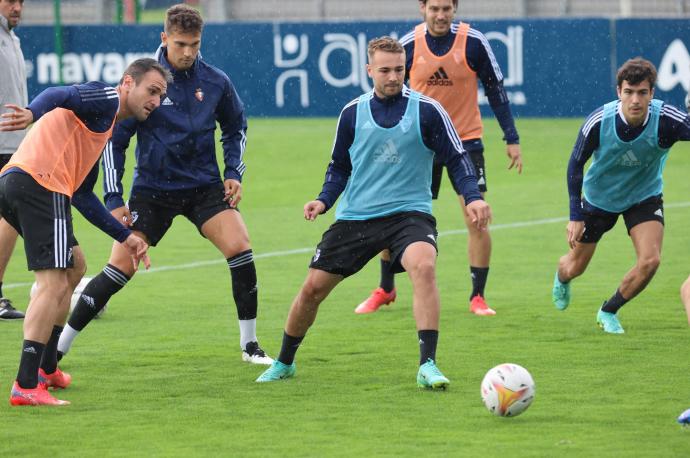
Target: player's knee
314, 292
423, 270
75, 275
649, 265
55, 285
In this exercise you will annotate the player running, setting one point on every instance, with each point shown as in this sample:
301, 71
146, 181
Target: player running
629, 140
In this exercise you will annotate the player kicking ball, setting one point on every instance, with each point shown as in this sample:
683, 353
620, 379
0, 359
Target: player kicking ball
381, 164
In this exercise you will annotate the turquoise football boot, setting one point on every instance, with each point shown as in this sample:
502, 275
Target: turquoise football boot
560, 294
609, 322
277, 371
430, 377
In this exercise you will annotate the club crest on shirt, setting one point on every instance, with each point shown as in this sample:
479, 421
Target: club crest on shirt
199, 94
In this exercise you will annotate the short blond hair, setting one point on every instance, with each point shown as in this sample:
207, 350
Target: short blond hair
385, 44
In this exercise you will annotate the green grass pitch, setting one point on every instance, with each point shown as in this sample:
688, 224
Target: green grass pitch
161, 375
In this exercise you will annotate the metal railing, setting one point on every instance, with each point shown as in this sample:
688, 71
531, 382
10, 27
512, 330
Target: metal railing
129, 11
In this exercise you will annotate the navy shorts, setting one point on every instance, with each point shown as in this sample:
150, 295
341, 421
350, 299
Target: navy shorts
477, 158
42, 217
347, 246
598, 221
153, 211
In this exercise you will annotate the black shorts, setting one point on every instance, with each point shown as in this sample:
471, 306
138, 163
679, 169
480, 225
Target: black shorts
42, 217
477, 158
4, 159
598, 221
347, 246
153, 211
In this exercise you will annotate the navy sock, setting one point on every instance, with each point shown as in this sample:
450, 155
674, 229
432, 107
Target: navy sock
387, 276
244, 289
49, 361
95, 295
479, 275
615, 303
289, 348
428, 339
32, 352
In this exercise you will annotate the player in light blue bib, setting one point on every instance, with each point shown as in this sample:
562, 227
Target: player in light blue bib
381, 165
629, 140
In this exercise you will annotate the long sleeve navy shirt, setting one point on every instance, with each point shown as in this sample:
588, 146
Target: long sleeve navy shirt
480, 59
438, 134
674, 125
96, 105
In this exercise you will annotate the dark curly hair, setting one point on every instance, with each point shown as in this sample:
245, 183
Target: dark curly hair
635, 71
183, 18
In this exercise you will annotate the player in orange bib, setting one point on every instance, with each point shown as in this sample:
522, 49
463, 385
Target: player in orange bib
56, 167
445, 60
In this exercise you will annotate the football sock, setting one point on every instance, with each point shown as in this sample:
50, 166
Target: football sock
615, 303
289, 348
427, 345
244, 291
1, 295
387, 276
479, 275
247, 332
27, 376
49, 361
96, 294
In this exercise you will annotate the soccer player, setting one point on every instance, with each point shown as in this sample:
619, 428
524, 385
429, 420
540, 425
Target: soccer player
381, 162
73, 125
12, 90
444, 61
629, 139
177, 174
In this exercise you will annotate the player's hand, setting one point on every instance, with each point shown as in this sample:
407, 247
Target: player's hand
574, 231
515, 156
479, 213
313, 209
137, 248
233, 192
17, 119
123, 215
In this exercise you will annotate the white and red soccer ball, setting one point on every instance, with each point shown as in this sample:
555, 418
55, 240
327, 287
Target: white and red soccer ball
507, 390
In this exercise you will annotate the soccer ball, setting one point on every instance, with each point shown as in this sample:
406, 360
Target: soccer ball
507, 390
75, 296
